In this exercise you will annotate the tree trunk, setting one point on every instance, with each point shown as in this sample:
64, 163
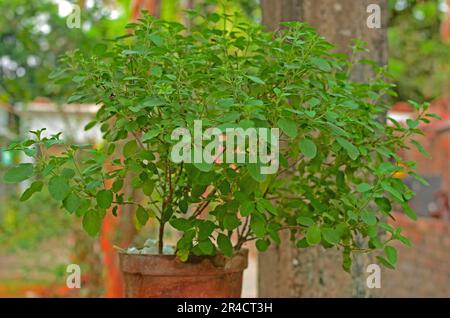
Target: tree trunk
285, 271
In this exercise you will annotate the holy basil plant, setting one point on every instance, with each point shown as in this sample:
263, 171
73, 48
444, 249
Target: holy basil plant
336, 181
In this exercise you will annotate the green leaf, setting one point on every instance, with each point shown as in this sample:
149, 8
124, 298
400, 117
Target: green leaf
167, 214
412, 123
305, 221
141, 215
149, 135
387, 187
385, 262
214, 17
157, 71
255, 172
386, 227
30, 152
351, 150
313, 102
104, 198
207, 247
186, 240
313, 235
92, 222
72, 202
68, 173
262, 245
59, 188
225, 245
183, 254
289, 127
419, 178
19, 173
130, 148
56, 73
310, 113
350, 104
372, 231
181, 224
90, 125
36, 186
148, 102
268, 206
409, 212
84, 205
391, 254
346, 260
337, 130
117, 185
340, 181
275, 236
302, 243
386, 167
156, 39
405, 241
230, 221
205, 229
258, 225
363, 187
384, 204
148, 187
308, 148
384, 151
420, 148
74, 98
320, 63
331, 236
435, 116
130, 52
78, 78
256, 79
225, 102
368, 217
246, 208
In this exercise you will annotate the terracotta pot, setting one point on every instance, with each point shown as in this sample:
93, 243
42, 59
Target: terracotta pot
149, 276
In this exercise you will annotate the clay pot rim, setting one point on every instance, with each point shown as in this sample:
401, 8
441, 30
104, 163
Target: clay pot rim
170, 265
242, 251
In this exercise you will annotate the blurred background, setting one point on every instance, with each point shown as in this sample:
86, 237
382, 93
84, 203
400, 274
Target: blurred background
38, 238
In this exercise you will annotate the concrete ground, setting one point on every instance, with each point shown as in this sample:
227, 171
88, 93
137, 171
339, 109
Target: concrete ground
250, 283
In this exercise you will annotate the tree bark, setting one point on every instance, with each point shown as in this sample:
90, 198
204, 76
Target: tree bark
285, 271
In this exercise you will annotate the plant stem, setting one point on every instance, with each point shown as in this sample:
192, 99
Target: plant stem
161, 237
166, 203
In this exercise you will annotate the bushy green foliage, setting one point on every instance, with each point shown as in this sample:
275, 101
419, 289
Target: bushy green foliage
338, 158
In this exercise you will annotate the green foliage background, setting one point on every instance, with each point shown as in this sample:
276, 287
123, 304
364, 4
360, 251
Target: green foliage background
418, 58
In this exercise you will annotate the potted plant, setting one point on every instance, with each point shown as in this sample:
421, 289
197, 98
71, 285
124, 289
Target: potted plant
323, 164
